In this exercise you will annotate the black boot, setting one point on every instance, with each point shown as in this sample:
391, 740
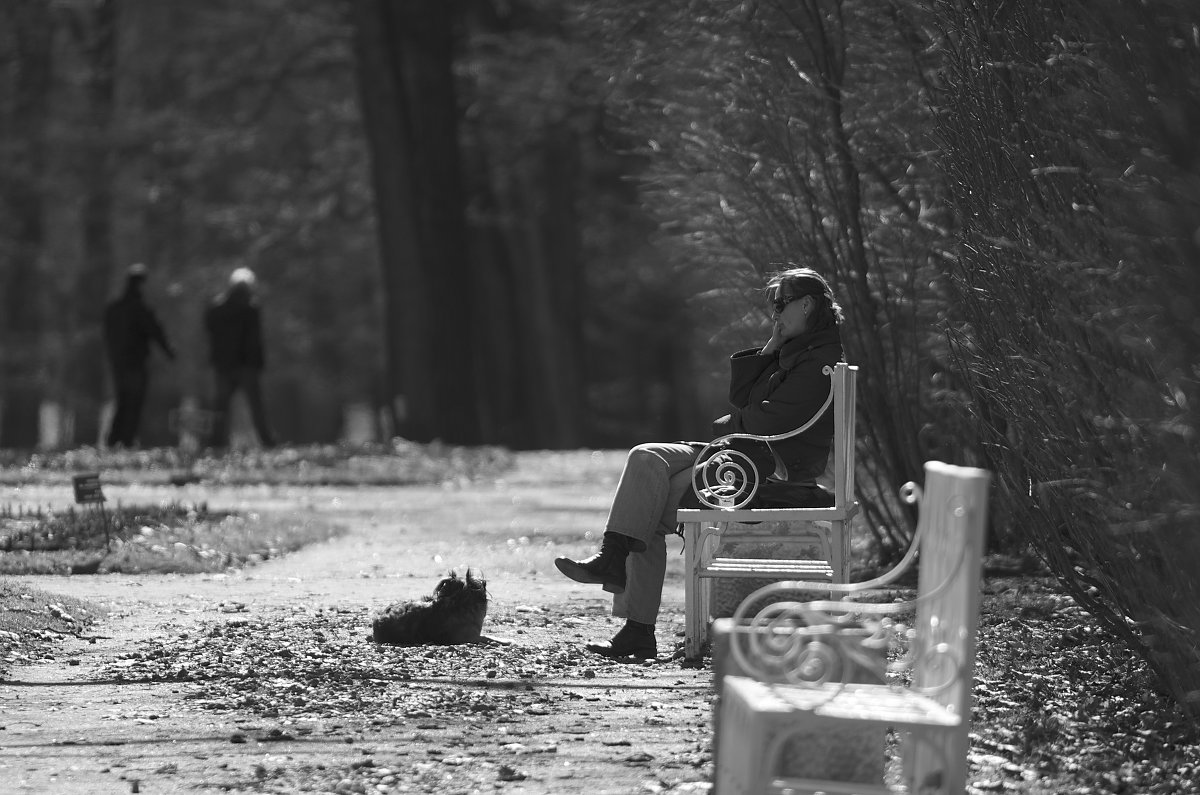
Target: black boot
606, 567
635, 639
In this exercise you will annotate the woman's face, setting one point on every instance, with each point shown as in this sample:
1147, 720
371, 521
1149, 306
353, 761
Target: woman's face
791, 314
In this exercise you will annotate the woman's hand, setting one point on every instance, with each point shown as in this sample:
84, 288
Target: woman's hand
776, 341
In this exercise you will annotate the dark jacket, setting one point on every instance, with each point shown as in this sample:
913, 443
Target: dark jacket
775, 394
234, 326
129, 328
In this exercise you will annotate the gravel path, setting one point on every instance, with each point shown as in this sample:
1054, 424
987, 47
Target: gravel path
264, 680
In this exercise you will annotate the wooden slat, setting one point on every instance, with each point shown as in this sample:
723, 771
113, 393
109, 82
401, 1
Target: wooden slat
765, 515
808, 576
793, 563
767, 568
769, 575
791, 785
899, 708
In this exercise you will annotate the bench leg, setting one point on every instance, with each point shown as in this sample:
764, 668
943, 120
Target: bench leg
839, 552
695, 611
700, 542
835, 543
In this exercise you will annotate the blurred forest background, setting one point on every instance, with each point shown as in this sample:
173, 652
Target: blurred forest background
545, 223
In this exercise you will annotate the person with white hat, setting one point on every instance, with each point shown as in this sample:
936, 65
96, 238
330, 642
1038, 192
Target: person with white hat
234, 328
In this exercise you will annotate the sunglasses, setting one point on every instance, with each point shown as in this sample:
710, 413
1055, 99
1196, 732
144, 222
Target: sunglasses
779, 304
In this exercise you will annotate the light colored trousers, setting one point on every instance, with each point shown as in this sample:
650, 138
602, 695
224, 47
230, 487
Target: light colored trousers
655, 477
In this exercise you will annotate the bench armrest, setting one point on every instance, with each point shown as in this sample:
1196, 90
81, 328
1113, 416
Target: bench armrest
734, 480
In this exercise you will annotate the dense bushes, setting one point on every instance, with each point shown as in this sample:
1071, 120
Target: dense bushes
1005, 196
1069, 133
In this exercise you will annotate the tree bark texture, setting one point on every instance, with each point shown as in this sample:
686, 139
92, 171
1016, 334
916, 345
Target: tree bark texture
84, 378
405, 57
543, 337
25, 33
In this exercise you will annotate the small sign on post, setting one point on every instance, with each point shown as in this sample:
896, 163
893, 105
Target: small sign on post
88, 491
87, 488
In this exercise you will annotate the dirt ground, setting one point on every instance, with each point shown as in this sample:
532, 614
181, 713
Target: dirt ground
153, 699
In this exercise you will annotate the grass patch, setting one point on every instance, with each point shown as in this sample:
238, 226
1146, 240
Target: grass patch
399, 462
172, 537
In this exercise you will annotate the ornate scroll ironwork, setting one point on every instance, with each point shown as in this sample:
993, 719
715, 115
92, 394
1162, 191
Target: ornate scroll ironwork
821, 642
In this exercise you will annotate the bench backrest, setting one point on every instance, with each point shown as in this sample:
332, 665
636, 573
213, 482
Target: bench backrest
732, 485
951, 526
844, 384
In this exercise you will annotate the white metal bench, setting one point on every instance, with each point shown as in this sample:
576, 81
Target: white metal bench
798, 664
705, 528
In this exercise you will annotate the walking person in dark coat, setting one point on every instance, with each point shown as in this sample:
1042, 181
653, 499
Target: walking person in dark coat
130, 327
234, 327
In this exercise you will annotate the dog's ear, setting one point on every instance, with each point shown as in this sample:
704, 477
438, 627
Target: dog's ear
476, 583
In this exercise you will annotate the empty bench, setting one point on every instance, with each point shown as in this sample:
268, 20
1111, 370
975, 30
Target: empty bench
801, 674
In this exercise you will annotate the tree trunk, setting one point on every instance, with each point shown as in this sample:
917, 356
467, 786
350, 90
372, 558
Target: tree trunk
405, 57
25, 39
76, 196
84, 381
543, 246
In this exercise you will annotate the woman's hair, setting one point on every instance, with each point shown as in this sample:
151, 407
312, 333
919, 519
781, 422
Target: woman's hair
799, 282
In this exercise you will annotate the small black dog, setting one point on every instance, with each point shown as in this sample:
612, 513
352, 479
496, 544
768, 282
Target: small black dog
452, 615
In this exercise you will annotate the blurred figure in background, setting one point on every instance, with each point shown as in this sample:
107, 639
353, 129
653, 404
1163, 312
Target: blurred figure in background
233, 323
130, 326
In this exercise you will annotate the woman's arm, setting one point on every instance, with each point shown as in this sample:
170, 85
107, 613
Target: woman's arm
784, 403
747, 368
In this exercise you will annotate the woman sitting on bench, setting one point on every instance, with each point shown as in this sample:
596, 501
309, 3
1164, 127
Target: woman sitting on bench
772, 390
